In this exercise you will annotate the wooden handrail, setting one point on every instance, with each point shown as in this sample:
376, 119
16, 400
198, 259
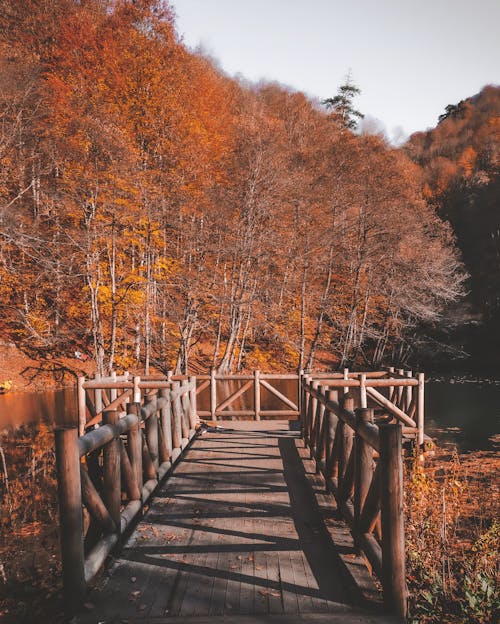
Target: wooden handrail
362, 466
112, 470
119, 463
223, 406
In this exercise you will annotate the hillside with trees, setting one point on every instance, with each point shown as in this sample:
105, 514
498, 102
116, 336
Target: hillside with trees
460, 159
156, 213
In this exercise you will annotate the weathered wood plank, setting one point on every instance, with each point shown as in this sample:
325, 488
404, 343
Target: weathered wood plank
240, 529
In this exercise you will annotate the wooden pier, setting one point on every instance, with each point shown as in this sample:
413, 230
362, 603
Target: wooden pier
277, 519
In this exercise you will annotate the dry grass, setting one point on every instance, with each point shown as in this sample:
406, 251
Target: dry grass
30, 568
453, 536
452, 528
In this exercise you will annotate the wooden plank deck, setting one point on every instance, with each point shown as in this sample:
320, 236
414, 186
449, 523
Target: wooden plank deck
243, 532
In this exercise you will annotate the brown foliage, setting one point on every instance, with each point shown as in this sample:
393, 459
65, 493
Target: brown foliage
153, 205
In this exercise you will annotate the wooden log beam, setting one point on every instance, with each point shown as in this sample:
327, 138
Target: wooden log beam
118, 402
185, 409
420, 408
256, 394
368, 430
278, 394
176, 424
147, 463
193, 414
134, 438
205, 384
111, 470
70, 511
390, 407
393, 540
235, 395
320, 408
82, 407
369, 545
94, 503
346, 471
371, 508
165, 428
331, 419
128, 474
99, 437
213, 395
363, 469
98, 554
151, 430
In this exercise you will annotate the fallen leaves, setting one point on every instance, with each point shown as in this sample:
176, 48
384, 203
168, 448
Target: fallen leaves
134, 595
270, 592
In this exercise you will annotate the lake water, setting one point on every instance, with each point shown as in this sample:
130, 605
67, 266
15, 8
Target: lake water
54, 407
467, 414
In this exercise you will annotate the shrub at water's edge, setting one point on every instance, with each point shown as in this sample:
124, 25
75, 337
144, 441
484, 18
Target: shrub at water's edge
452, 539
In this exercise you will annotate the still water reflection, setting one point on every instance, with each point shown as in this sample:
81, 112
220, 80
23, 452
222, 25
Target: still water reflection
467, 414
54, 407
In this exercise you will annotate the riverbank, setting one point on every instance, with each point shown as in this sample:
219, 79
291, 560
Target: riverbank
36, 375
452, 537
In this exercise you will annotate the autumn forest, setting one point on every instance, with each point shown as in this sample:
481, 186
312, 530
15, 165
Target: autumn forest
155, 213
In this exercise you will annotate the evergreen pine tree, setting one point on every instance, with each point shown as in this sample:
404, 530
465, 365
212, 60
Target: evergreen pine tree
342, 105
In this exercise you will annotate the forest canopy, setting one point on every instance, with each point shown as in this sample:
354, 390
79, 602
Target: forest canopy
156, 213
460, 163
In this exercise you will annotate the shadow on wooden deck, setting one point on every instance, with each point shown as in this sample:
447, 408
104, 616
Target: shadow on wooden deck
241, 531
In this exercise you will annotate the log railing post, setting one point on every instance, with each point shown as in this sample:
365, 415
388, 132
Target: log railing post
111, 471
393, 539
409, 392
176, 420
166, 421
71, 521
300, 394
400, 390
390, 371
313, 406
193, 414
320, 435
363, 469
315, 441
98, 396
151, 427
308, 408
137, 391
306, 398
113, 392
256, 395
82, 406
331, 427
164, 429
184, 409
420, 408
346, 440
362, 391
213, 395
134, 437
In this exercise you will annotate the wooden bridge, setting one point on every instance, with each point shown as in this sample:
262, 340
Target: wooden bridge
295, 515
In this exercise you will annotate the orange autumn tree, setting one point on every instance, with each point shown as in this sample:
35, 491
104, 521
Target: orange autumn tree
158, 214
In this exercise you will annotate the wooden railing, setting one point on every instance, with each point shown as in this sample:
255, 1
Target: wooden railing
113, 467
220, 404
399, 395
363, 467
132, 429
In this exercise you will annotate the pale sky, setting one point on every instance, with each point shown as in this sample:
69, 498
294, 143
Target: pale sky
410, 58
